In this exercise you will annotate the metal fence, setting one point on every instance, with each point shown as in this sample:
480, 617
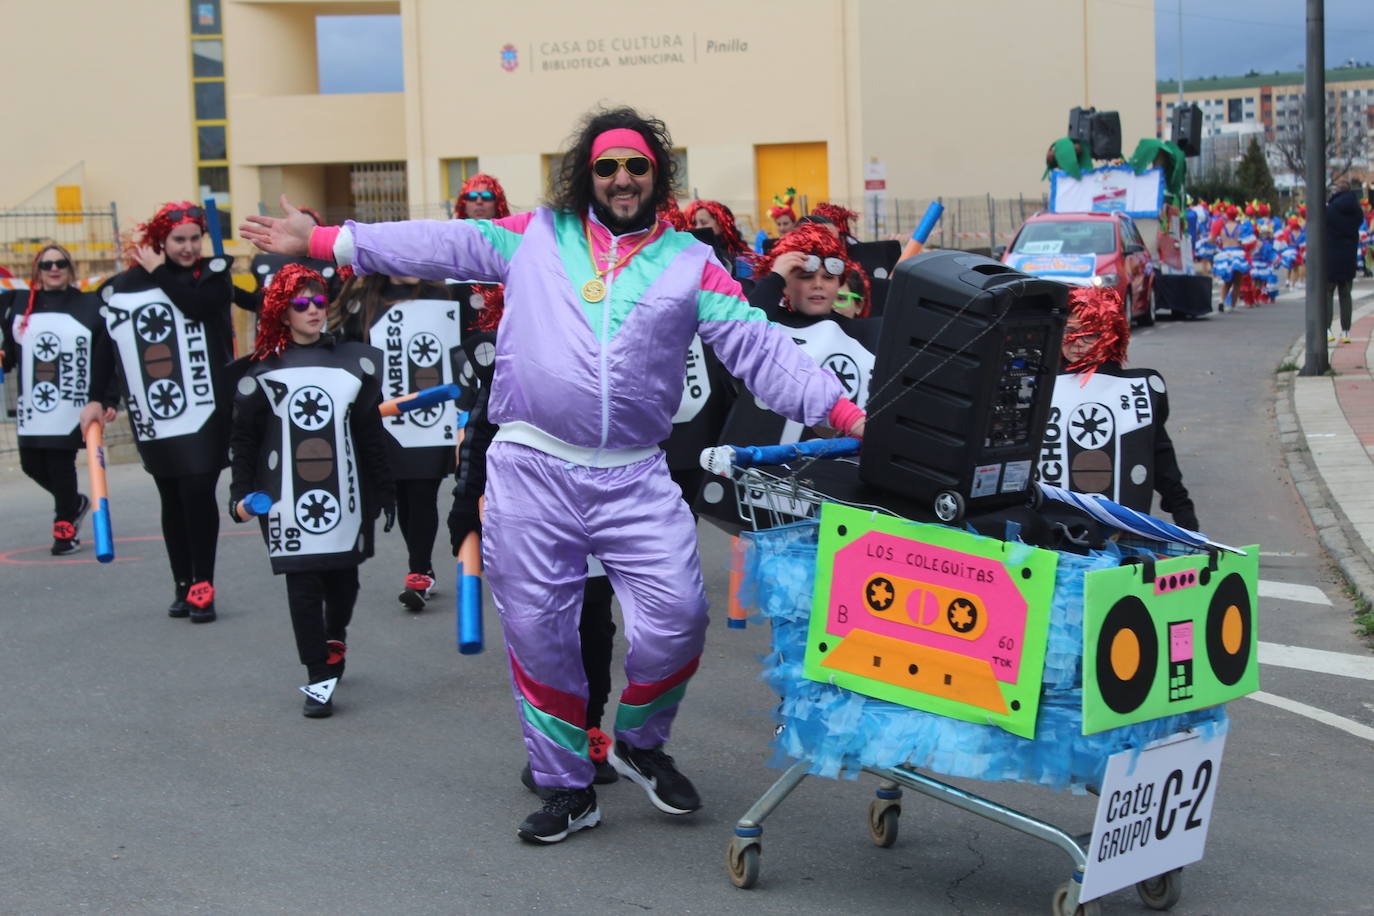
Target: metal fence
92, 237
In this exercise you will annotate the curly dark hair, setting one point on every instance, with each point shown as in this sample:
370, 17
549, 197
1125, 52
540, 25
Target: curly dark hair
572, 186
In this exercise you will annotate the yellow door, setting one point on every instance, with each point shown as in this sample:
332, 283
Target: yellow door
779, 166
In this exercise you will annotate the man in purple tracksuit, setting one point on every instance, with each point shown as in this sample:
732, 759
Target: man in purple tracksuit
602, 301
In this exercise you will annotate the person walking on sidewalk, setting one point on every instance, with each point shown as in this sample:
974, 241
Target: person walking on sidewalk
601, 303
1343, 218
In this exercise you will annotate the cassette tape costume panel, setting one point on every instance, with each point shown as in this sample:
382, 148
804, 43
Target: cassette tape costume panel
420, 342
173, 369
1180, 641
54, 369
931, 617
320, 516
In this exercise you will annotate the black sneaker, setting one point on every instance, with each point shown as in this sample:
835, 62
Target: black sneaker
417, 591
653, 770
200, 603
565, 811
179, 607
83, 507
64, 539
314, 709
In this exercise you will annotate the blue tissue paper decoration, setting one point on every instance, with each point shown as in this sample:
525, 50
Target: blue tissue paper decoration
840, 731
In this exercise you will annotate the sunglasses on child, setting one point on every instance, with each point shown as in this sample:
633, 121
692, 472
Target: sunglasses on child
607, 166
479, 195
303, 303
176, 216
814, 263
59, 264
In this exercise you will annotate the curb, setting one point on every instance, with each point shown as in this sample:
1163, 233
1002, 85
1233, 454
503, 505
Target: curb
1334, 530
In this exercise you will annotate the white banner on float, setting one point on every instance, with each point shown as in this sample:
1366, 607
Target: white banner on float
1154, 811
1109, 189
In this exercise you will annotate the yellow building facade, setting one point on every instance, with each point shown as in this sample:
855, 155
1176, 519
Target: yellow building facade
157, 100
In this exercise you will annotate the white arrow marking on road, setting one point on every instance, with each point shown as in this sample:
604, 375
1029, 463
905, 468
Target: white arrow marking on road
1292, 591
1350, 726
1319, 660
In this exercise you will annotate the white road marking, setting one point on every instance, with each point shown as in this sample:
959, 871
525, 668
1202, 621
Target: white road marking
1281, 553
1292, 591
1343, 664
1350, 726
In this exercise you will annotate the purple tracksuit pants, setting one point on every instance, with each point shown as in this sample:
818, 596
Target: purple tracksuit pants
543, 517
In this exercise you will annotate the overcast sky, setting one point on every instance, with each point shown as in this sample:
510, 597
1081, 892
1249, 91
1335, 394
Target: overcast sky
1220, 38
1233, 37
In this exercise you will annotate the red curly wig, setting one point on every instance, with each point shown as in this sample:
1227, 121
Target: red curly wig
154, 232
671, 213
273, 334
728, 232
1099, 316
813, 239
481, 182
838, 215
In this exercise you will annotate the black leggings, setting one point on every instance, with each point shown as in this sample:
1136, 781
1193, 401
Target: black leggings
597, 630
321, 604
190, 525
417, 511
54, 469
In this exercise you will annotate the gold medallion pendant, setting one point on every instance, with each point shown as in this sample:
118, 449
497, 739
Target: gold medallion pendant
593, 290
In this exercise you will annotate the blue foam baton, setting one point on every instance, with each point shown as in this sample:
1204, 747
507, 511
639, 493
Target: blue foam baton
470, 595
419, 399
100, 493
256, 503
212, 223
724, 458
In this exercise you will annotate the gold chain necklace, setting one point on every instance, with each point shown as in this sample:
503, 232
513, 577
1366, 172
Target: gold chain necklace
594, 290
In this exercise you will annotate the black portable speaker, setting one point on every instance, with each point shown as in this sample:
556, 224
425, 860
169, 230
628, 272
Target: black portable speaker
1080, 124
1106, 135
1186, 130
962, 383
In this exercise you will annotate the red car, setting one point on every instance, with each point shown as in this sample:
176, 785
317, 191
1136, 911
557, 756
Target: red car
1089, 249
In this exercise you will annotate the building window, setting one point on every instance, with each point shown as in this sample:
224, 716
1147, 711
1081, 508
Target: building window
207, 57
1234, 111
457, 171
209, 100
208, 92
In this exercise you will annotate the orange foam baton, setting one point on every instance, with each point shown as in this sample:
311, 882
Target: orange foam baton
100, 492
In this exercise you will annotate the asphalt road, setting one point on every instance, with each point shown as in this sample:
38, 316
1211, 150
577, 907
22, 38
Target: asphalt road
150, 765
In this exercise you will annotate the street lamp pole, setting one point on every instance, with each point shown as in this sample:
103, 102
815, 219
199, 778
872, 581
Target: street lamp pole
1314, 151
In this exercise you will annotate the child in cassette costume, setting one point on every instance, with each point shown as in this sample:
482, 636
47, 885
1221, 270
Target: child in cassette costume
414, 324
167, 335
47, 332
1106, 428
308, 434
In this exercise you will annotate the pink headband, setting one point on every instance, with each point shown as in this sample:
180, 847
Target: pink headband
621, 136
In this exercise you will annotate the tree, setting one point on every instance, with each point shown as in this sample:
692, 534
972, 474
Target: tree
1254, 177
1348, 141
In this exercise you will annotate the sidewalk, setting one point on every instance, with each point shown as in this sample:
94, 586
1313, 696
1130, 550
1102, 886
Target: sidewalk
1327, 427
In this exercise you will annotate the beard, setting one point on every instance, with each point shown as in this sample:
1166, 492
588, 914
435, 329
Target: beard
642, 218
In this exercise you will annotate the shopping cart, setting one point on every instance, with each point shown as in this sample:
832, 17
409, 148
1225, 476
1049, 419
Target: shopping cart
782, 512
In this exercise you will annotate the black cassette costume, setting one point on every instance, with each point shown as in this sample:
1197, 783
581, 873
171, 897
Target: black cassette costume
168, 337
48, 346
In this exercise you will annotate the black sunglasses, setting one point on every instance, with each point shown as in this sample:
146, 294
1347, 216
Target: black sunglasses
607, 166
177, 216
479, 195
59, 264
303, 303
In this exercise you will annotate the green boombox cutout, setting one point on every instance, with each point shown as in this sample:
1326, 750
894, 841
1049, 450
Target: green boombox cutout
1164, 637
